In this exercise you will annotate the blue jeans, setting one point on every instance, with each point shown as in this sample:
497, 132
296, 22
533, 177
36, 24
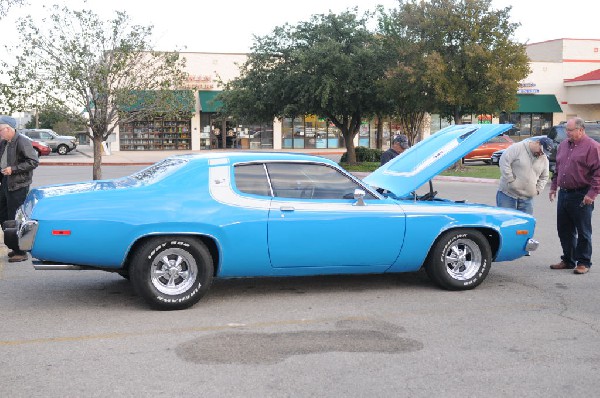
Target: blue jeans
525, 205
574, 225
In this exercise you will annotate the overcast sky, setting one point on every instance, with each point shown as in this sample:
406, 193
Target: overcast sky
229, 25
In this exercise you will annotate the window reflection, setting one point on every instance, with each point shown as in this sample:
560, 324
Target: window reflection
310, 181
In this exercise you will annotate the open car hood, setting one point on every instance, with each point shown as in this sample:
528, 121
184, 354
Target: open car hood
423, 161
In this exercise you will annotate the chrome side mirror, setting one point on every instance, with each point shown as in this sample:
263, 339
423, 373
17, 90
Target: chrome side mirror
359, 195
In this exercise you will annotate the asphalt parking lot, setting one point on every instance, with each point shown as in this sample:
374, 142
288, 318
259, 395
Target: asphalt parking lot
527, 331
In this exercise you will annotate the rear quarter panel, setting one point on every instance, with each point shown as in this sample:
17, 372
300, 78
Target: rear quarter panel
104, 225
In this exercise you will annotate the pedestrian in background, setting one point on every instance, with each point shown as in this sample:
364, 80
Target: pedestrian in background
523, 174
399, 144
18, 159
577, 179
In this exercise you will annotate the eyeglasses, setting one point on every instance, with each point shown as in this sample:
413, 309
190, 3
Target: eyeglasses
573, 129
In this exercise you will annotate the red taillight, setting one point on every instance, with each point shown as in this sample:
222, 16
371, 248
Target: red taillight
61, 232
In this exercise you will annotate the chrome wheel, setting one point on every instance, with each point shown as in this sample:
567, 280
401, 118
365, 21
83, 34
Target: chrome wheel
62, 149
173, 271
460, 259
463, 259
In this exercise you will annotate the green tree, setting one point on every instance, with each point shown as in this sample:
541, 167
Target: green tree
106, 68
468, 64
406, 86
58, 118
328, 66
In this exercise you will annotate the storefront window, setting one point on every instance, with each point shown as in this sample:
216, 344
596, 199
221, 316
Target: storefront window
298, 132
528, 123
207, 137
259, 136
363, 135
321, 134
438, 123
155, 135
334, 137
287, 133
310, 130
373, 133
387, 133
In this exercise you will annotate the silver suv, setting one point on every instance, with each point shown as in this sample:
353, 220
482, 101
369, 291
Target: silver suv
62, 144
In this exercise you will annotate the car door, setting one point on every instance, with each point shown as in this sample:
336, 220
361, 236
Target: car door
48, 139
314, 220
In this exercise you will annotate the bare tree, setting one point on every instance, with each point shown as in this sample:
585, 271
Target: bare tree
6, 5
105, 68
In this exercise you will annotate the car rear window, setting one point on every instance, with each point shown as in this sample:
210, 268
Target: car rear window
159, 170
252, 179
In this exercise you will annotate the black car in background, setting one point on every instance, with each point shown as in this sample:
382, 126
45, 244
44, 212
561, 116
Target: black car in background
558, 133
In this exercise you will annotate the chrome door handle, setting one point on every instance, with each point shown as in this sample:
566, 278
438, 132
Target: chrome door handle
287, 208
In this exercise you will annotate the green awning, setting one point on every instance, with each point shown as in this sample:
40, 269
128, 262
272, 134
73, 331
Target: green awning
208, 102
539, 103
179, 100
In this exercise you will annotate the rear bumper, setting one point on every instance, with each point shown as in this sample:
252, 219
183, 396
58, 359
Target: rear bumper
20, 236
532, 245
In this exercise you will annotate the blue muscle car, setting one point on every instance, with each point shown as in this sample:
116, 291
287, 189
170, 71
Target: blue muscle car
174, 226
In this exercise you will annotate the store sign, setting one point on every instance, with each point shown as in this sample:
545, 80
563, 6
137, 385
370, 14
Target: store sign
527, 88
200, 82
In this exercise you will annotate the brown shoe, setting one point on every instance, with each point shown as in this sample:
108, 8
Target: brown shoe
18, 258
561, 265
581, 269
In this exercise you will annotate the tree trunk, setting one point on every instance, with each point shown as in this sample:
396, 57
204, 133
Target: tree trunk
350, 150
97, 167
379, 134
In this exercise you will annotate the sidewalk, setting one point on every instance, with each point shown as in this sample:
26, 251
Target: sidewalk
84, 155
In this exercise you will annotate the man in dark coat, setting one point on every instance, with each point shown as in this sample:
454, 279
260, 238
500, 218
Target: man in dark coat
399, 144
18, 159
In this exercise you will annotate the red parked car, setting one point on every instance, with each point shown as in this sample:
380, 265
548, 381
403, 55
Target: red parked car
41, 148
484, 151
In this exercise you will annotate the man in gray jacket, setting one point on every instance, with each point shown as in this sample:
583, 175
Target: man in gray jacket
523, 173
17, 161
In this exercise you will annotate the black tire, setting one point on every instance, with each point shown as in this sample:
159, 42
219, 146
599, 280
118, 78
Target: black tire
460, 260
38, 152
487, 161
62, 149
124, 274
177, 285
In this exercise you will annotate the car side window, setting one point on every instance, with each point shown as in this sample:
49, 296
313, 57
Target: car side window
310, 181
496, 140
45, 136
252, 179
33, 134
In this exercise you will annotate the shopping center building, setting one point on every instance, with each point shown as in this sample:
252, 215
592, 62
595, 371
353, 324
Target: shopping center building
564, 82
